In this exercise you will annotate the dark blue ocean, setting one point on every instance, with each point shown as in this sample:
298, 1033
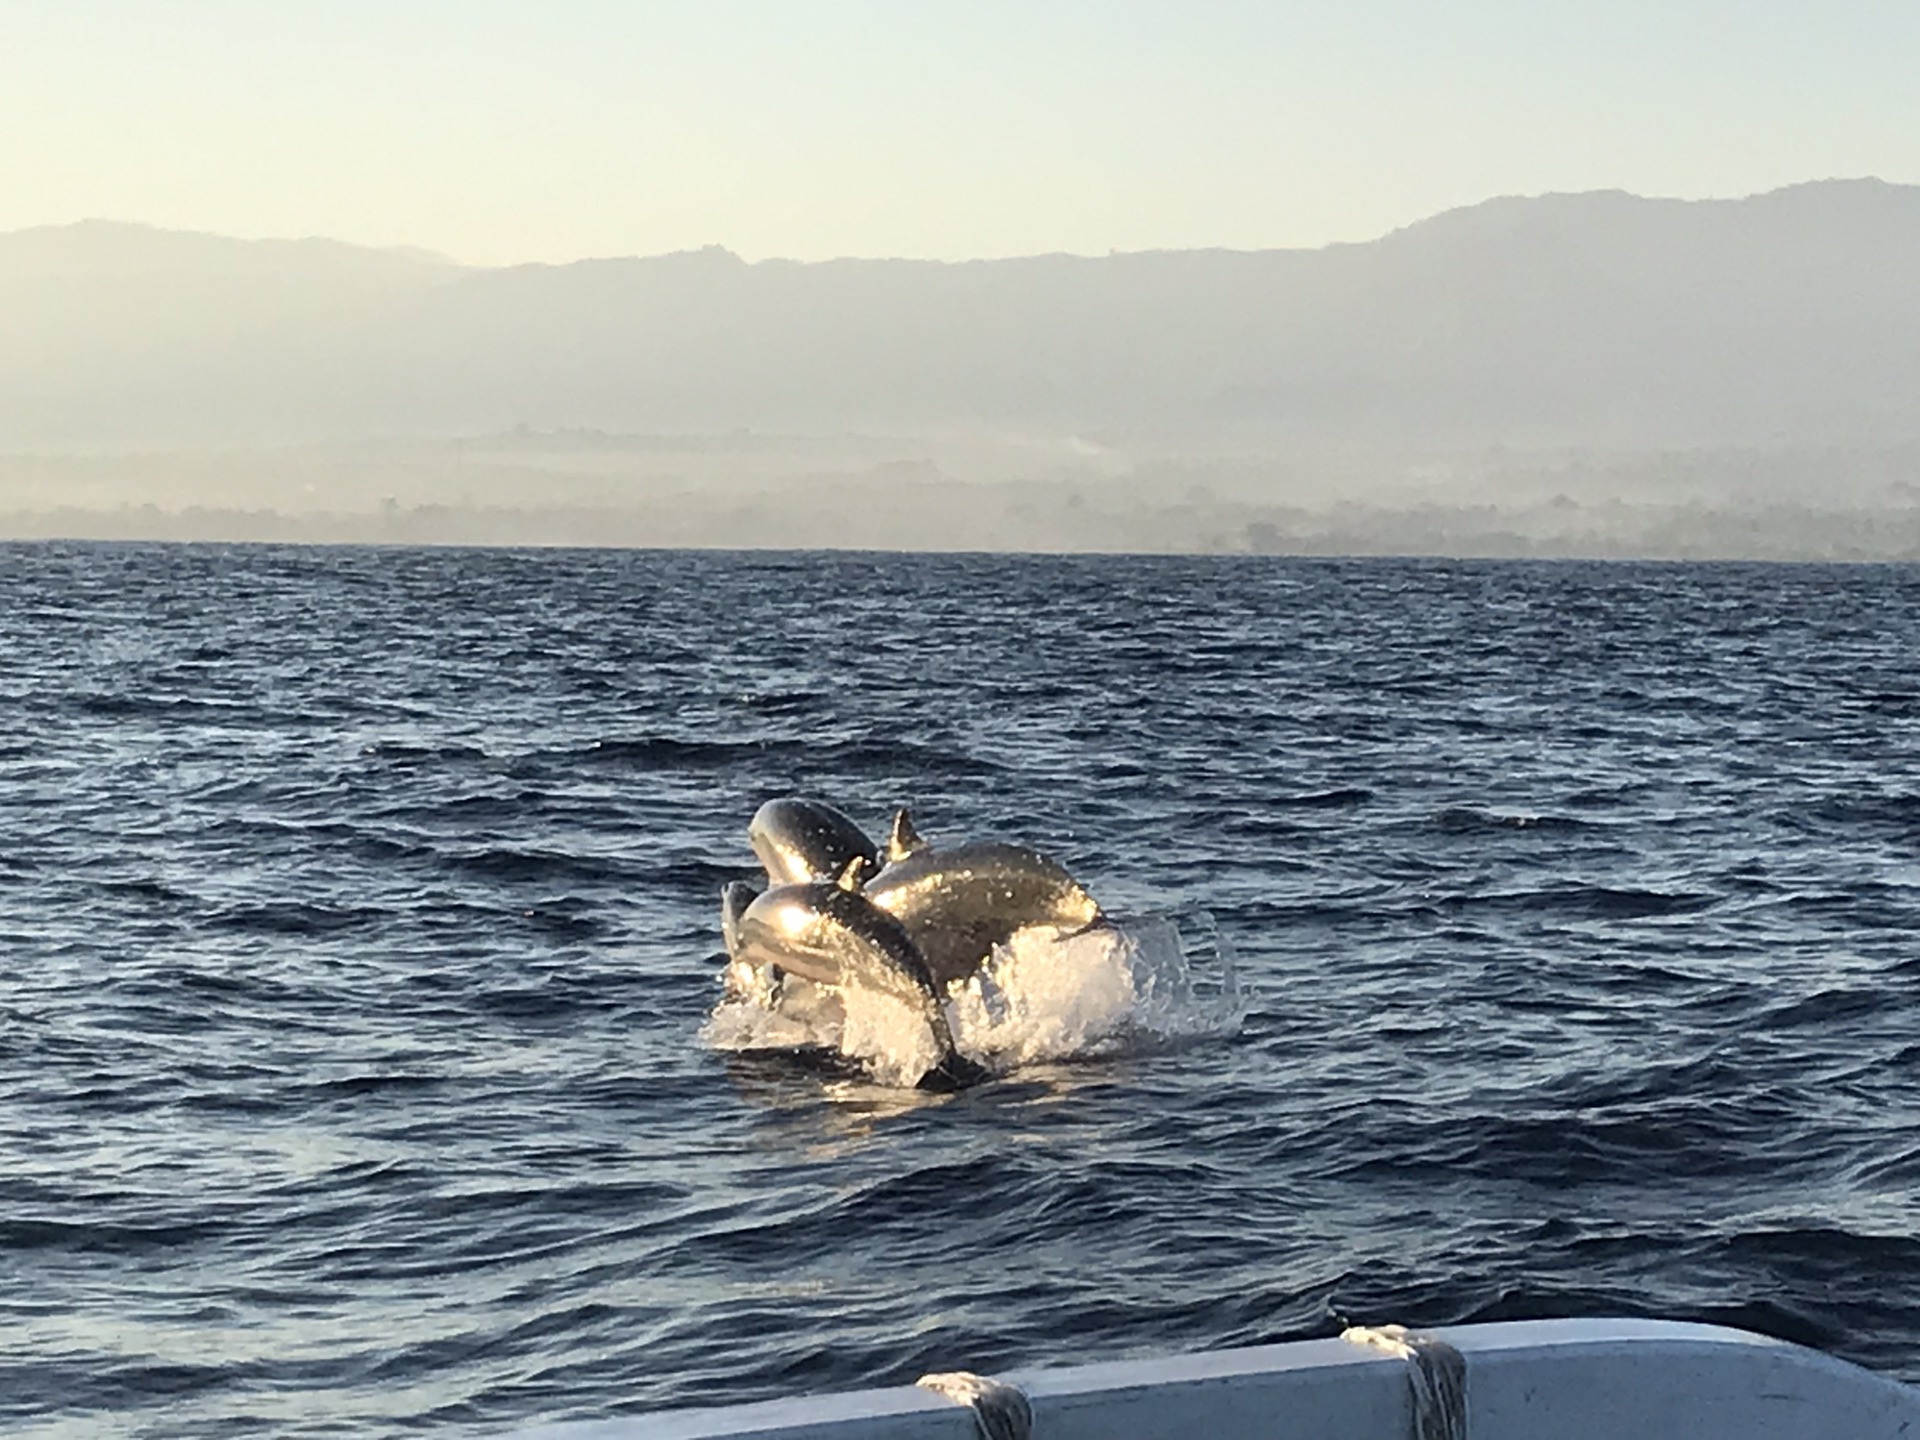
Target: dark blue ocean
358, 910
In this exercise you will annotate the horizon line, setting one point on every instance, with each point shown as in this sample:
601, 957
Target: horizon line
428, 255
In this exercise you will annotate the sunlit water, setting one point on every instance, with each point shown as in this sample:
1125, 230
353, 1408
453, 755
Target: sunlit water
1498, 940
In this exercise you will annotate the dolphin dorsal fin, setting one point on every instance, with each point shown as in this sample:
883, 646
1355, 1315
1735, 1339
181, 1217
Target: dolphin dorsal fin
904, 840
852, 873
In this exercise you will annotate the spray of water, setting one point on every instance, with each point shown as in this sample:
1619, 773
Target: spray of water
1137, 985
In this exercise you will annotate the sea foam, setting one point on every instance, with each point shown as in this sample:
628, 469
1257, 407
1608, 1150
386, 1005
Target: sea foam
1136, 985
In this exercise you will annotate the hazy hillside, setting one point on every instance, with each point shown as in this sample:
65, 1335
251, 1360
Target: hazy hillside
1596, 319
123, 334
1573, 374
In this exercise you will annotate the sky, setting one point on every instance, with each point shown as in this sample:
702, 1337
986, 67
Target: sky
500, 132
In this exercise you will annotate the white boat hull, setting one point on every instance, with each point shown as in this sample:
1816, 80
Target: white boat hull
1532, 1380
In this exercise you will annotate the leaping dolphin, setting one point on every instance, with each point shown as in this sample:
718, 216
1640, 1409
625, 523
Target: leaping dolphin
829, 933
957, 904
801, 841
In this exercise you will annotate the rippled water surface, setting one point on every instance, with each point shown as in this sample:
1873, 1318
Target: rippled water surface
358, 908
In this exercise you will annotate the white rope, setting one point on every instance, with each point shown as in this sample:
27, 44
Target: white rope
1000, 1412
1436, 1376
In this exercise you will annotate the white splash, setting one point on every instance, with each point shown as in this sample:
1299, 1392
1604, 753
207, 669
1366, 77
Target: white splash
1042, 997
887, 1035
749, 1017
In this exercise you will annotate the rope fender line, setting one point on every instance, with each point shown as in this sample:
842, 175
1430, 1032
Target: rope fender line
1436, 1377
1000, 1411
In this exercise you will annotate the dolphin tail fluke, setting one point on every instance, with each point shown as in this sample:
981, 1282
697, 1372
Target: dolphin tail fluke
906, 970
955, 1072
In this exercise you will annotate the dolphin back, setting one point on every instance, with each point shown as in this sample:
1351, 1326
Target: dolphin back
957, 904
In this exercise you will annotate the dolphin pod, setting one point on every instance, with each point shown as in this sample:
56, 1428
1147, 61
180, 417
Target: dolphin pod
906, 919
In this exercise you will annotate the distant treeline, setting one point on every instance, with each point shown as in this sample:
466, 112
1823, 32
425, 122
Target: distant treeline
1611, 530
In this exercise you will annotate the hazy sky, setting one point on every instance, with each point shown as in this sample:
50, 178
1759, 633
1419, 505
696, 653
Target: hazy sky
500, 131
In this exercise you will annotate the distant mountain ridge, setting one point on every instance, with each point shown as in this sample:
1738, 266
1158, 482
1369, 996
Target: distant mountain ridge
114, 247
1598, 319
